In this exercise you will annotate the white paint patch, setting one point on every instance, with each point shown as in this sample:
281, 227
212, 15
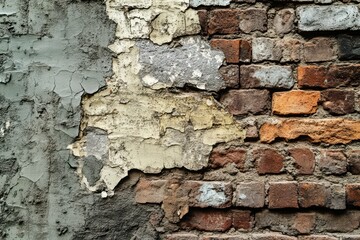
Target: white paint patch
7, 125
242, 196
150, 80
2, 132
211, 195
197, 73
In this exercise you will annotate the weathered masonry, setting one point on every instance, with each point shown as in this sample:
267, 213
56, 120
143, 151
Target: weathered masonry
180, 119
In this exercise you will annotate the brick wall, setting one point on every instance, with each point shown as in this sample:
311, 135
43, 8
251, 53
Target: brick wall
292, 76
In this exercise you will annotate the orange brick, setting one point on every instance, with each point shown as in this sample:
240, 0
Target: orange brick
295, 102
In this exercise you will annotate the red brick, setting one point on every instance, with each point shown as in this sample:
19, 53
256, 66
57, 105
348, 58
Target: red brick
231, 48
221, 156
251, 194
242, 219
283, 195
230, 74
338, 101
245, 51
150, 191
295, 102
304, 160
313, 194
224, 21
268, 161
354, 161
332, 162
271, 236
317, 237
326, 77
241, 102
320, 49
304, 222
353, 195
203, 19
181, 236
224, 237
253, 19
208, 220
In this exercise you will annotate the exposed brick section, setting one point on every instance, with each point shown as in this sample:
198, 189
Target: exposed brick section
326, 77
304, 160
208, 194
253, 19
283, 195
224, 21
332, 162
203, 19
354, 161
272, 236
284, 21
338, 101
268, 161
208, 220
240, 102
295, 102
340, 221
318, 237
245, 51
320, 50
150, 191
242, 219
313, 194
349, 47
259, 76
332, 131
181, 236
231, 48
250, 194
221, 156
230, 74
353, 195
304, 222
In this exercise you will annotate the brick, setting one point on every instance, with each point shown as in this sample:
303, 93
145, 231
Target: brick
224, 21
208, 220
331, 131
320, 49
259, 76
252, 132
203, 19
349, 47
304, 160
242, 219
250, 195
295, 102
225, 237
338, 197
278, 221
197, 3
339, 221
208, 194
221, 156
313, 194
231, 48
291, 50
181, 236
304, 222
353, 195
253, 19
354, 161
240, 102
268, 161
328, 18
284, 21
332, 162
283, 195
271, 236
338, 101
230, 74
266, 49
150, 191
326, 77
317, 237
245, 51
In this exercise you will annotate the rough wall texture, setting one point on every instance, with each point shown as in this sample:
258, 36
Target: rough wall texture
180, 119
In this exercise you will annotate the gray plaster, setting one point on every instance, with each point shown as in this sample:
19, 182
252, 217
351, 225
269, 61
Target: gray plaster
190, 63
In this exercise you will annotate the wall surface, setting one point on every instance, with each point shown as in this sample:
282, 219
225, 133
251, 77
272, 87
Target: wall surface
180, 119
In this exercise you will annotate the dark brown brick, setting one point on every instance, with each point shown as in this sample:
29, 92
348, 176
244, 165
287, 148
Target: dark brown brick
304, 160
320, 49
268, 161
230, 74
245, 51
283, 195
253, 19
353, 195
208, 220
224, 21
313, 194
241, 102
354, 161
251, 194
221, 156
338, 101
230, 47
242, 219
